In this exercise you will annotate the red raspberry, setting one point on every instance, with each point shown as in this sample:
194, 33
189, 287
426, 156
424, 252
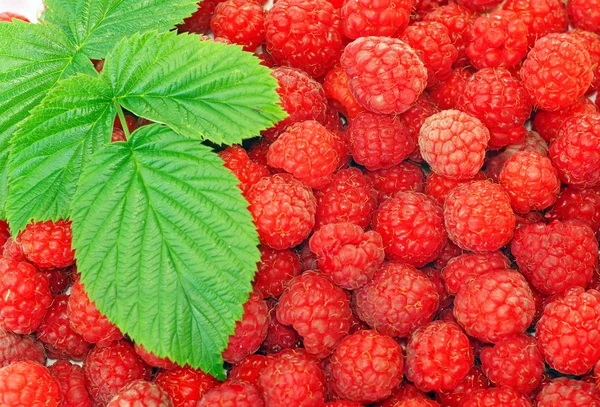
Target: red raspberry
337, 89
431, 41
585, 14
398, 300
568, 332
7, 16
366, 367
87, 321
406, 392
24, 384
349, 197
548, 124
307, 151
283, 209
495, 161
379, 141
234, 394
239, 21
334, 123
48, 244
448, 252
438, 187
479, 217
576, 152
342, 403
275, 270
318, 310
458, 20
107, 370
58, 279
347, 254
497, 397
495, 306
480, 5
301, 97
406, 176
4, 232
293, 378
304, 34
447, 93
246, 170
259, 150
153, 360
473, 381
411, 225
591, 42
563, 391
580, 204
55, 331
541, 17
248, 370
71, 380
185, 385
279, 336
466, 267
557, 71
362, 18
250, 331
141, 393
386, 75
416, 402
423, 7
416, 115
199, 22
557, 256
435, 276
18, 348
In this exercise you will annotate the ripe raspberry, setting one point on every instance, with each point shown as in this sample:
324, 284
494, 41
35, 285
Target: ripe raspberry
87, 321
548, 124
239, 21
153, 360
585, 14
398, 300
580, 204
576, 152
24, 384
337, 89
423, 7
362, 18
107, 370
250, 331
186, 386
466, 267
293, 378
342, 403
318, 310
386, 75
557, 71
435, 276
447, 92
304, 34
301, 97
431, 41
199, 22
416, 115
448, 252
307, 151
141, 393
247, 171
234, 394
438, 187
18, 348
495, 306
563, 391
541, 17
58, 279
497, 397
71, 380
458, 20
406, 392
473, 381
480, 5
279, 336
479, 217
48, 244
366, 367
7, 16
55, 331
283, 209
591, 42
248, 370
406, 176
4, 232
275, 270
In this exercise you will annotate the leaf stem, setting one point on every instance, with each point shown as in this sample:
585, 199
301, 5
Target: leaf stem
122, 120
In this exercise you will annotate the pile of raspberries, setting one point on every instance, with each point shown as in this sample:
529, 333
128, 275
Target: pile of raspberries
429, 215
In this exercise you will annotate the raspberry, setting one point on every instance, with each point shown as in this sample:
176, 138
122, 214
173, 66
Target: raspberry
301, 97
307, 151
431, 41
87, 321
363, 18
447, 92
495, 306
304, 34
275, 270
48, 244
591, 42
259, 150
18, 348
580, 204
541, 17
386, 75
568, 332
557, 256
563, 391
423, 7
406, 176
438, 356
24, 384
416, 402
347, 254
7, 16
4, 232
342, 403
58, 280
141, 393
576, 152
585, 14
473, 381
250, 331
283, 209
448, 252
497, 397
349, 197
71, 380
479, 217
416, 115
466, 267
199, 22
438, 187
398, 300
247, 171
318, 310
239, 21
151, 359
293, 378
480, 5
556, 71
405, 392
435, 276
548, 124
279, 336
234, 394
365, 367
55, 331
107, 370
379, 141
248, 370
337, 89
186, 386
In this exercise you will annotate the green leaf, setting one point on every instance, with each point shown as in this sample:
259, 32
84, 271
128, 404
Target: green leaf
165, 244
203, 90
74, 121
97, 25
